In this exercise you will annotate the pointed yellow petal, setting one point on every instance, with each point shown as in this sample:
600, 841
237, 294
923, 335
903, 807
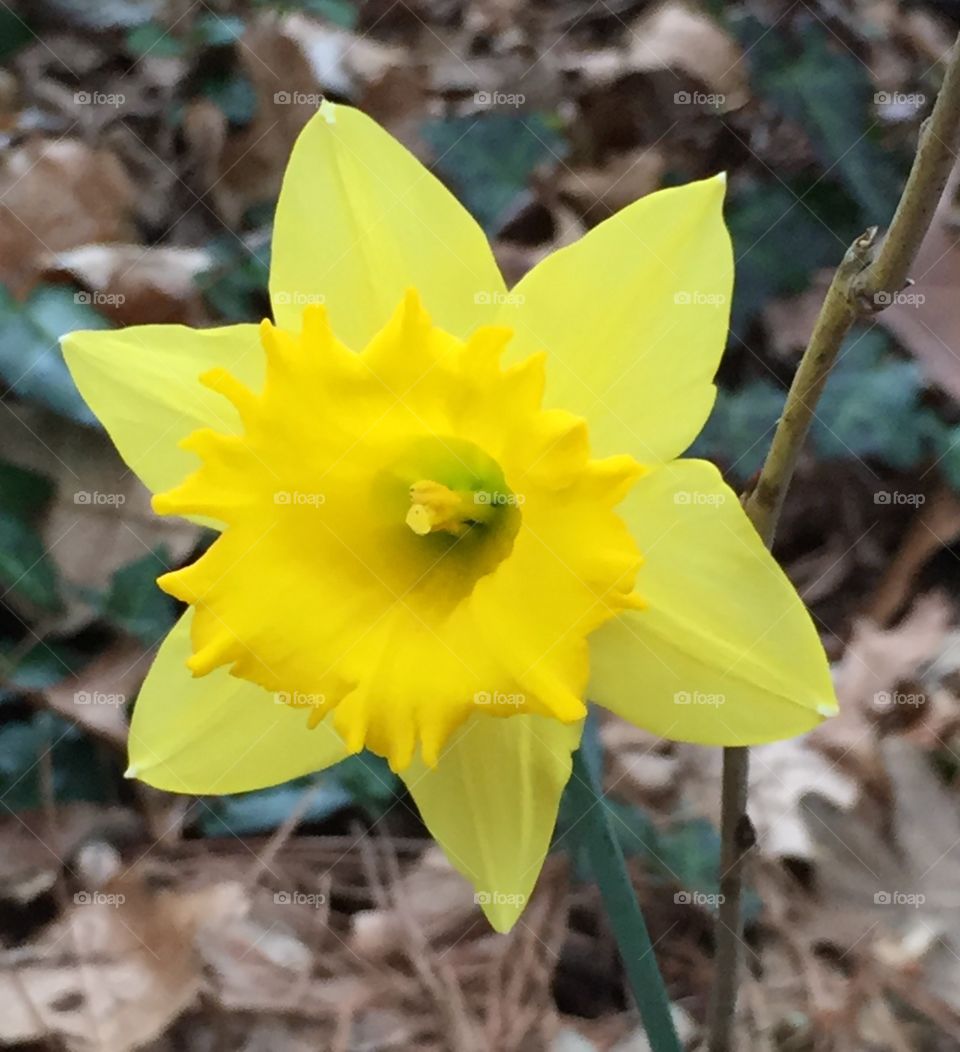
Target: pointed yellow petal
634, 319
359, 221
491, 802
219, 734
143, 384
724, 653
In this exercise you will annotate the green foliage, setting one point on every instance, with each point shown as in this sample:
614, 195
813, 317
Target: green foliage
135, 605
109, 14
813, 78
686, 852
26, 746
488, 159
362, 781
207, 30
948, 455
155, 39
236, 291
14, 33
233, 92
26, 490
31, 364
44, 665
740, 427
26, 570
343, 13
215, 30
783, 231
872, 409
786, 227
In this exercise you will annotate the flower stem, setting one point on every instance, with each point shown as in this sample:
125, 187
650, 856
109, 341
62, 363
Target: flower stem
866, 281
629, 929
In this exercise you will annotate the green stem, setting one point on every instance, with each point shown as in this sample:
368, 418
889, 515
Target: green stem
633, 940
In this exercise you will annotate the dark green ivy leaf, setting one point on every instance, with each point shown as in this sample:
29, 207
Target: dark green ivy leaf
134, 602
25, 568
871, 408
362, 781
817, 81
488, 158
31, 363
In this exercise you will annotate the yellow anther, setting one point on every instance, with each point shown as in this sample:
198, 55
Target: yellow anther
434, 507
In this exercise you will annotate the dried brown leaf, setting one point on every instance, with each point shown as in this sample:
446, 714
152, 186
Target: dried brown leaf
139, 285
55, 195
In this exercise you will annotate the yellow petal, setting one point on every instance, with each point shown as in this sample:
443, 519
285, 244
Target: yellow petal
491, 802
725, 652
634, 318
142, 382
359, 220
219, 734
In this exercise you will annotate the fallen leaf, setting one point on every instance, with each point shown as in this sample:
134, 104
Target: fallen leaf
54, 196
781, 775
437, 899
871, 675
676, 37
894, 896
647, 764
30, 866
115, 970
789, 320
292, 61
935, 526
99, 506
600, 192
139, 285
924, 317
97, 697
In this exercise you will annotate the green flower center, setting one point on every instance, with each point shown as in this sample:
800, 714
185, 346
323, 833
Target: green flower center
450, 514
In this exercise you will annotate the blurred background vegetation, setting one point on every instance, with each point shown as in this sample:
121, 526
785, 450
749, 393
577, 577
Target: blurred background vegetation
141, 147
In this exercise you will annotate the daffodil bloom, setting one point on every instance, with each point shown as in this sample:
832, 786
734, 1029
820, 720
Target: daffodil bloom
451, 513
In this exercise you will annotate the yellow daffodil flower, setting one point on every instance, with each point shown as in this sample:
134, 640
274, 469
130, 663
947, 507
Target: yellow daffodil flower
451, 513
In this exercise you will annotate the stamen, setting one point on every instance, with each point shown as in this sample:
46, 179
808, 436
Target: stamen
435, 507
